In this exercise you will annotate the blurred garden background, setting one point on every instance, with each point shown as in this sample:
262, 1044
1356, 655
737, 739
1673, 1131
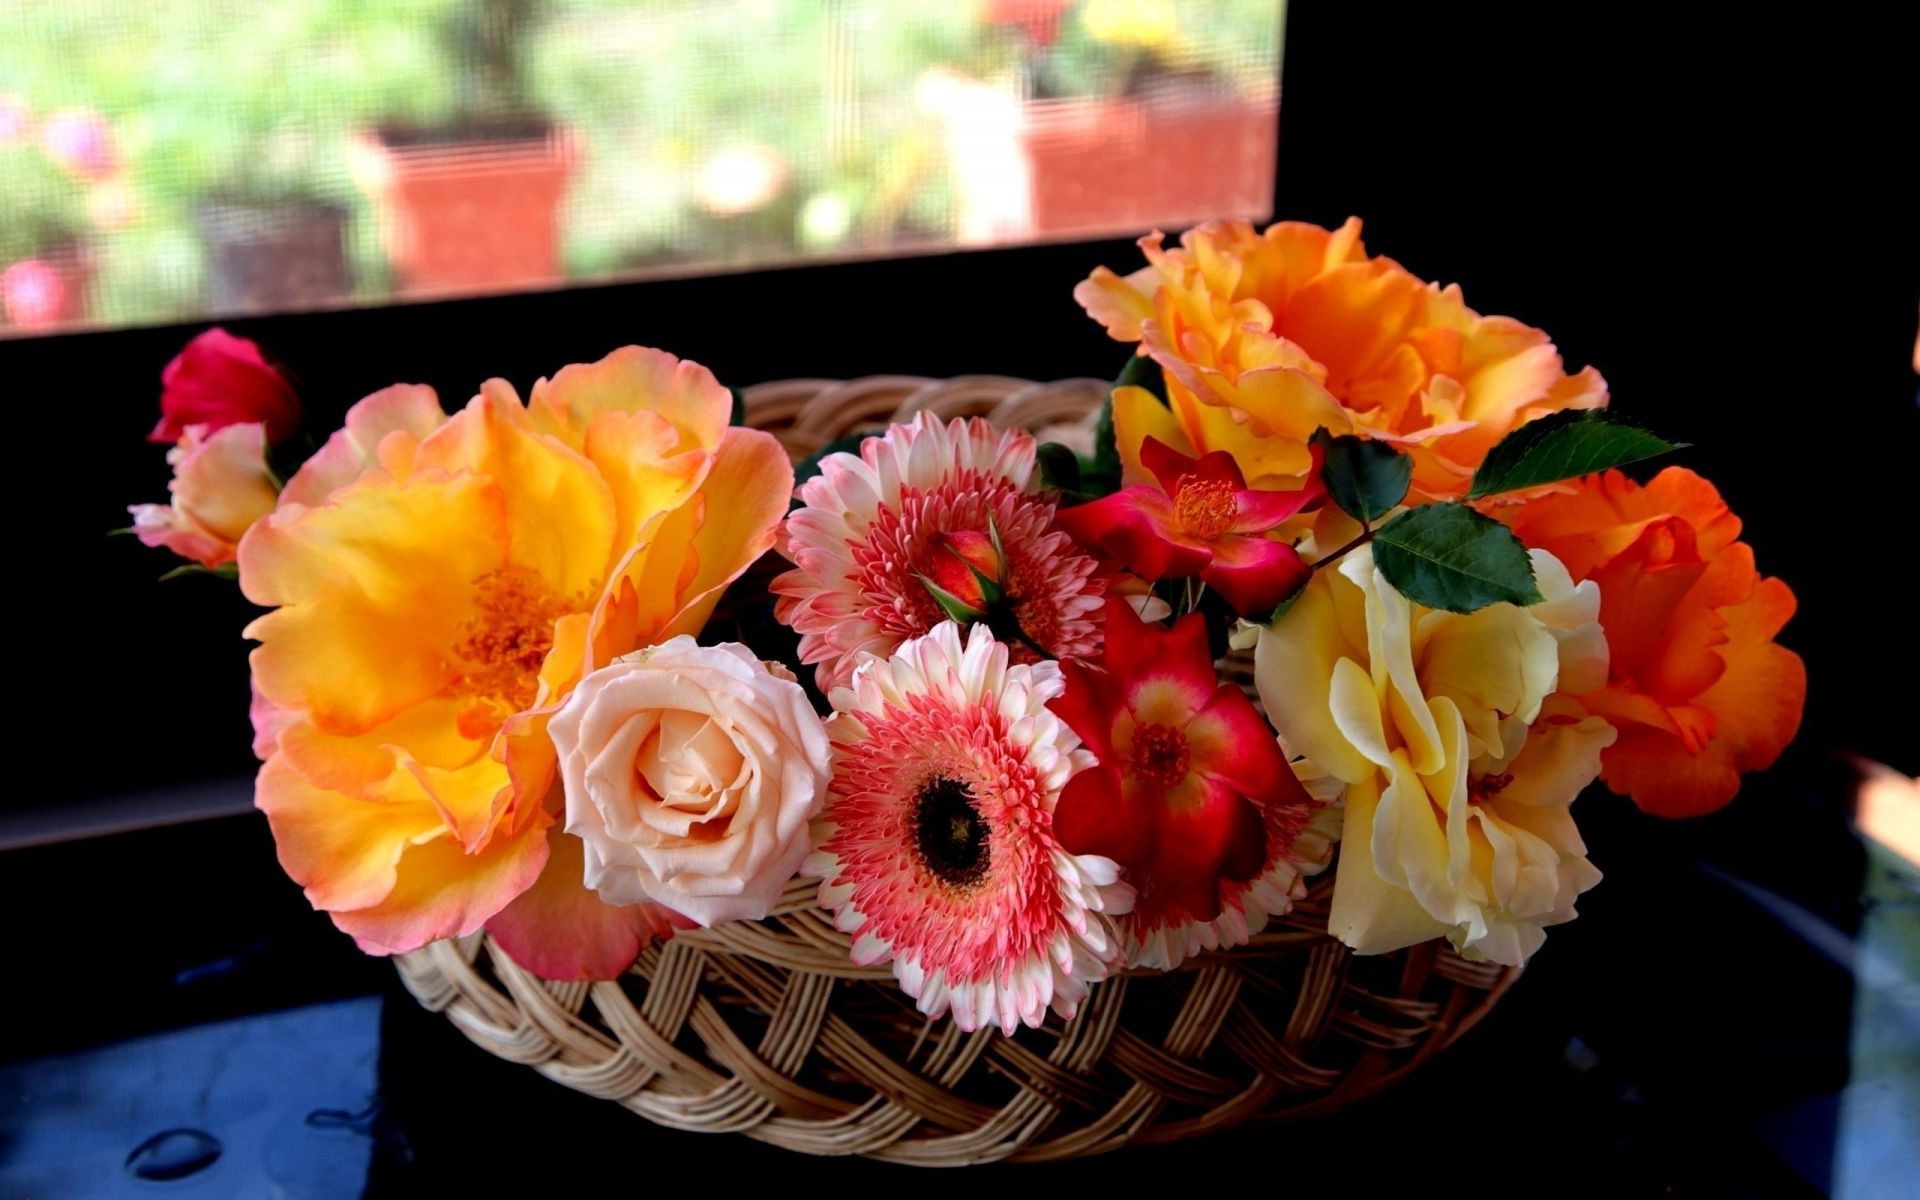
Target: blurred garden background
167, 160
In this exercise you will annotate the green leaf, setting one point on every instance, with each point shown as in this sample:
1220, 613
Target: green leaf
955, 608
1059, 467
1449, 556
1281, 609
739, 416
1563, 445
1100, 474
1143, 372
810, 465
1364, 477
223, 571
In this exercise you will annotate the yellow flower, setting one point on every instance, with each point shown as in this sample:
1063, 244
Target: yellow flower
1144, 23
1460, 758
1267, 336
433, 611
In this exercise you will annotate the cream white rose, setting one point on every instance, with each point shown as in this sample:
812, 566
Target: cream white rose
691, 774
1460, 761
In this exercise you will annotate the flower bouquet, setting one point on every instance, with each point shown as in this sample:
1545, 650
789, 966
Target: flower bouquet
1029, 771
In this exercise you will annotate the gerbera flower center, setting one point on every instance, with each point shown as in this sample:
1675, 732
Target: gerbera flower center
503, 644
1160, 755
1205, 508
950, 833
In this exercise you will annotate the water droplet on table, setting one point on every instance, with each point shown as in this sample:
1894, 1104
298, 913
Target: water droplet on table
173, 1154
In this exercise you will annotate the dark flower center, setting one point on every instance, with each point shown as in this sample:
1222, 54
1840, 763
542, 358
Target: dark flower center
950, 832
1160, 755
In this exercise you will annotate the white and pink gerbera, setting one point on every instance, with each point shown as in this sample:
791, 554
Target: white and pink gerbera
936, 849
870, 526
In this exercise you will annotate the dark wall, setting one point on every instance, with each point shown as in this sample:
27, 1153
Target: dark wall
1709, 213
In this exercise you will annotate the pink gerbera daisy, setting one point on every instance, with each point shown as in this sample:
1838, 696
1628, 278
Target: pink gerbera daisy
936, 849
870, 531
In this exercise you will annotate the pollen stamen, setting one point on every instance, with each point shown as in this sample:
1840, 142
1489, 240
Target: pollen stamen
502, 646
1204, 508
1160, 755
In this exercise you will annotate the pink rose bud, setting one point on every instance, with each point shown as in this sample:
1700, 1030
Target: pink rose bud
967, 566
221, 380
221, 486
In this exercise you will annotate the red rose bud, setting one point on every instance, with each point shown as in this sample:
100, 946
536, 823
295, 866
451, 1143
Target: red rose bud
965, 572
221, 380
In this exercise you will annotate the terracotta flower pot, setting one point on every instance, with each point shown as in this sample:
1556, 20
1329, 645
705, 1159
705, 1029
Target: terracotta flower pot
465, 216
1098, 165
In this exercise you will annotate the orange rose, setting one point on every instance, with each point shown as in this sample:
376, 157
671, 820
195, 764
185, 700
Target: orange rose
1697, 688
438, 588
1265, 337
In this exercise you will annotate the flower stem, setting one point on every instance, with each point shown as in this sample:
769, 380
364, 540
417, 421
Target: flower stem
1006, 627
1366, 535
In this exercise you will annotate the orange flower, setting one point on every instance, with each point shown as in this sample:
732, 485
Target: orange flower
433, 611
1697, 688
1265, 337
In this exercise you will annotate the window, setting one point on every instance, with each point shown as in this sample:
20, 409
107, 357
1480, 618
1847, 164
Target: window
182, 159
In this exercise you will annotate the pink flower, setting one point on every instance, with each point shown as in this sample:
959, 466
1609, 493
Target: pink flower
1202, 521
872, 526
34, 293
690, 775
1191, 793
221, 486
937, 851
79, 140
220, 380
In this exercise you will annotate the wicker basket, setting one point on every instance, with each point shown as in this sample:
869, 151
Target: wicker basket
768, 1028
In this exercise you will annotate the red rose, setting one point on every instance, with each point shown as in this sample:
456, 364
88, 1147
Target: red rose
221, 380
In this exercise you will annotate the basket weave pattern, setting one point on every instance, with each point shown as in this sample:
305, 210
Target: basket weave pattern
768, 1028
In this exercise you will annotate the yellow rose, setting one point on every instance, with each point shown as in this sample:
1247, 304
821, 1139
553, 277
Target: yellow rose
1460, 758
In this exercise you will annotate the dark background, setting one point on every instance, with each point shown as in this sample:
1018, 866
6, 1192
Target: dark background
1710, 209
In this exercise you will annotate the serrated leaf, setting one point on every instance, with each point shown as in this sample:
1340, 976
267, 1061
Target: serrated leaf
1100, 474
808, 467
1285, 606
1364, 477
739, 414
1450, 557
1059, 467
1563, 445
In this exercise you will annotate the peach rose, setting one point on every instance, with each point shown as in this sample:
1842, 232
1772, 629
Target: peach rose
691, 773
221, 486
